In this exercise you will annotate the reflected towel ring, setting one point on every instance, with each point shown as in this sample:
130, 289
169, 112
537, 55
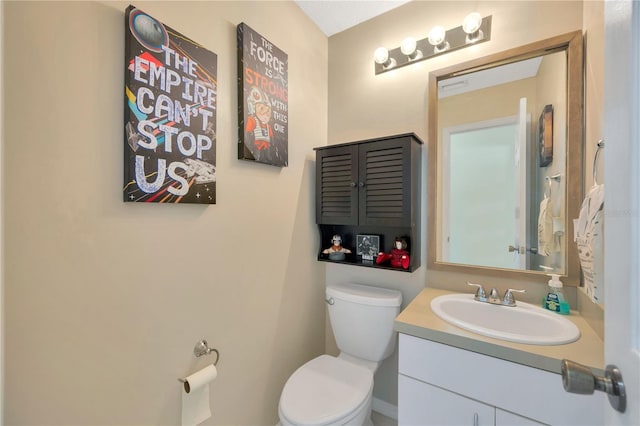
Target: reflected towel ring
557, 178
600, 145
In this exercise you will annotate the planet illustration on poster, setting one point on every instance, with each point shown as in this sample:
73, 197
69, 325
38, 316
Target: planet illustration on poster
150, 33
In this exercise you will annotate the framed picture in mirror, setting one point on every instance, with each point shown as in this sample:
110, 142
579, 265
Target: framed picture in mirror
545, 136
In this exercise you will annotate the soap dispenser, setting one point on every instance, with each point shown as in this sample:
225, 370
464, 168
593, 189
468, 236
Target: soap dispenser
555, 300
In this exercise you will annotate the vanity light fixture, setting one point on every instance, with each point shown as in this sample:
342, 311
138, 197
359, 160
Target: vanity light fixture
475, 29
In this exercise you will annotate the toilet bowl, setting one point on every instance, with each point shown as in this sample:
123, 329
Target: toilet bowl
330, 390
326, 391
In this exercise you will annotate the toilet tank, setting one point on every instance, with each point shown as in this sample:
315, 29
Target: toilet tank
362, 319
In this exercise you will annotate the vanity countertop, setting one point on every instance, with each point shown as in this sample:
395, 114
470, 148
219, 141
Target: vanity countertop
417, 319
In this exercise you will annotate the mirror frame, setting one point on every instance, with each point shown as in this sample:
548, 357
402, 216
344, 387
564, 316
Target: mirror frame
572, 44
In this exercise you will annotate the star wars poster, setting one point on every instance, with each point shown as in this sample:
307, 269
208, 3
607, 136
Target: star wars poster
170, 115
262, 99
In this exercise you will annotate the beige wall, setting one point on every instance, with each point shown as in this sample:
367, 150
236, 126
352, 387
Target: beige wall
363, 105
594, 86
104, 300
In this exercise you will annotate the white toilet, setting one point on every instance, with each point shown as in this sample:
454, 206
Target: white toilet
337, 391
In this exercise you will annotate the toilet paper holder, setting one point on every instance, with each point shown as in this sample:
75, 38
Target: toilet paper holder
202, 348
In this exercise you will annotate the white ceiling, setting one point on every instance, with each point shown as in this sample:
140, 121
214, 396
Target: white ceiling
334, 16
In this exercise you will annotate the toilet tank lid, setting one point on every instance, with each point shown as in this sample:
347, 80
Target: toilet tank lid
365, 295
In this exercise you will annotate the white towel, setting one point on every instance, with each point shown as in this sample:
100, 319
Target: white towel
545, 229
593, 202
589, 237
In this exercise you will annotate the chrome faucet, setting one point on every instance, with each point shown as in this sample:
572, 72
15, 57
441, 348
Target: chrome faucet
494, 298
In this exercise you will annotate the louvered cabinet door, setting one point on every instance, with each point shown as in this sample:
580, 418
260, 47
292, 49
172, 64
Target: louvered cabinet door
337, 186
385, 183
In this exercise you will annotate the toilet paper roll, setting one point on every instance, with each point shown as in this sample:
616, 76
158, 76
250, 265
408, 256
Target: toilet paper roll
195, 396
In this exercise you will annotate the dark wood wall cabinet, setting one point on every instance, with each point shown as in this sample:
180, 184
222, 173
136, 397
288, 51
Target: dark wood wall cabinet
370, 188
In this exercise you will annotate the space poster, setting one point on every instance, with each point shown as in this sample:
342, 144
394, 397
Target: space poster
263, 99
170, 115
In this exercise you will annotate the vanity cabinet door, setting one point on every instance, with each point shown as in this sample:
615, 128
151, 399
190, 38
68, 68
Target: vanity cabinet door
529, 392
505, 418
422, 404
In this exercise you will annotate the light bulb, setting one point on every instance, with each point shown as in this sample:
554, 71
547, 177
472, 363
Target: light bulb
437, 38
408, 46
381, 55
436, 35
471, 26
472, 23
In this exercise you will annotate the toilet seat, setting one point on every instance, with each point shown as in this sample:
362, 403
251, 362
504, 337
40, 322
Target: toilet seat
324, 391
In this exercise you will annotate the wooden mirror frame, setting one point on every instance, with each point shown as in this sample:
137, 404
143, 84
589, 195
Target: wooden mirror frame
572, 44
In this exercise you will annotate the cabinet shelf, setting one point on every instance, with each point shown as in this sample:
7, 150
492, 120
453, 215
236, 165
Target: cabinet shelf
365, 263
370, 187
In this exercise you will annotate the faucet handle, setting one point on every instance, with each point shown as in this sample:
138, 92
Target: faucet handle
509, 299
480, 293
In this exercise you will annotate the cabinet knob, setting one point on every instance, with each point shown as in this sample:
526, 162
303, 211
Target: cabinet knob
354, 184
361, 184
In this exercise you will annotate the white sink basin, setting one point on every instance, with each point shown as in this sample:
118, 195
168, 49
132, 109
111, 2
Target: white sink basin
523, 323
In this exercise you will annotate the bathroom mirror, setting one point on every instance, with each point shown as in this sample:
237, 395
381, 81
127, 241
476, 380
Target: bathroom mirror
505, 143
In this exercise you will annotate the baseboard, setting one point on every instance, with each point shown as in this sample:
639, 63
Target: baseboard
385, 408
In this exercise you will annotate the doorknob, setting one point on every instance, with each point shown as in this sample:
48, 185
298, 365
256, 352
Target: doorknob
577, 378
522, 250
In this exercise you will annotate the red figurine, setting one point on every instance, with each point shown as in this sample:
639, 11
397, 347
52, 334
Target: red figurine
399, 256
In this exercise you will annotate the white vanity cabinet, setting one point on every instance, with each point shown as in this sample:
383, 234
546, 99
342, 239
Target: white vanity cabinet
443, 385
427, 405
448, 408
